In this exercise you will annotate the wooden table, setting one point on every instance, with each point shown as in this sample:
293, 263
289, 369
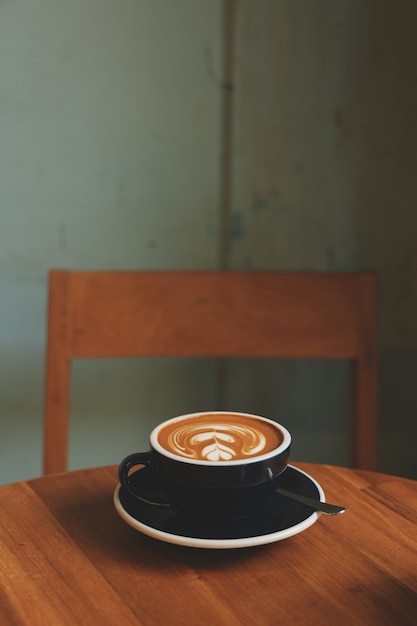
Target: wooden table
66, 557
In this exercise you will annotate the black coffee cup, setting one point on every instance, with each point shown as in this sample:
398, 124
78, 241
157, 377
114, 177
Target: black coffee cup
211, 468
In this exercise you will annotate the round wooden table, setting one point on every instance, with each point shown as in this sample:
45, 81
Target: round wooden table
68, 558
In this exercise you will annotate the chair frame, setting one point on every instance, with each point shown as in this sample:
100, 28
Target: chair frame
93, 314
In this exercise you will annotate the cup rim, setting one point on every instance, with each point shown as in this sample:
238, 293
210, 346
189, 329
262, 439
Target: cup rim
284, 445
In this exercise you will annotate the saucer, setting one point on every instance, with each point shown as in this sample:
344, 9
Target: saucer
279, 519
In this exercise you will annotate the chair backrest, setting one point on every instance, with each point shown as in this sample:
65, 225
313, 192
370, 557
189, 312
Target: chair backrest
94, 314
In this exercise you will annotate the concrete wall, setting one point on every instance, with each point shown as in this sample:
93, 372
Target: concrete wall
110, 125
325, 155
127, 141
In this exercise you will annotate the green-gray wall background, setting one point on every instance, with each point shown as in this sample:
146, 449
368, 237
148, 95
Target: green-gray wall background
206, 134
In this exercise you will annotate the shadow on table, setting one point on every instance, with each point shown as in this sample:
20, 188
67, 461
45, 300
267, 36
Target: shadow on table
86, 511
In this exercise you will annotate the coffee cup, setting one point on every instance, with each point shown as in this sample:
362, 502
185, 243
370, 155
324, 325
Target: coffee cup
211, 468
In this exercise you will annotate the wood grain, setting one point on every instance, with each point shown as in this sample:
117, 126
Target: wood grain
68, 559
202, 314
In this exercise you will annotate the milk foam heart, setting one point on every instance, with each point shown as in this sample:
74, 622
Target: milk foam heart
219, 437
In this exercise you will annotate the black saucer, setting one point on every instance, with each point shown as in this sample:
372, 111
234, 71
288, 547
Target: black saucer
279, 519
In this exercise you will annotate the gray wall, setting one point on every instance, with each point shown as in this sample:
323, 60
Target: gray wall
325, 156
110, 127
205, 134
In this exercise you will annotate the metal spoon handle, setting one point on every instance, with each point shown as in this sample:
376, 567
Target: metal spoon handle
317, 505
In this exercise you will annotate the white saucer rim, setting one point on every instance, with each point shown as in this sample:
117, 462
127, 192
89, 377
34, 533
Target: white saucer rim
241, 542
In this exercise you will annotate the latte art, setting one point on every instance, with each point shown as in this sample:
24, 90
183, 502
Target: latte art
216, 442
219, 437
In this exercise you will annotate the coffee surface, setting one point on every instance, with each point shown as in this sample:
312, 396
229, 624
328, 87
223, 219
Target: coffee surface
219, 437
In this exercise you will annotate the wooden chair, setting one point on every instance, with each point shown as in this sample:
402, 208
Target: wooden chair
95, 314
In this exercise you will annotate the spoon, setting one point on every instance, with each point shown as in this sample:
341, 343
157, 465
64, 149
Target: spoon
317, 505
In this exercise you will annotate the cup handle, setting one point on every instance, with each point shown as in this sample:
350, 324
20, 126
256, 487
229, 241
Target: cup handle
148, 497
